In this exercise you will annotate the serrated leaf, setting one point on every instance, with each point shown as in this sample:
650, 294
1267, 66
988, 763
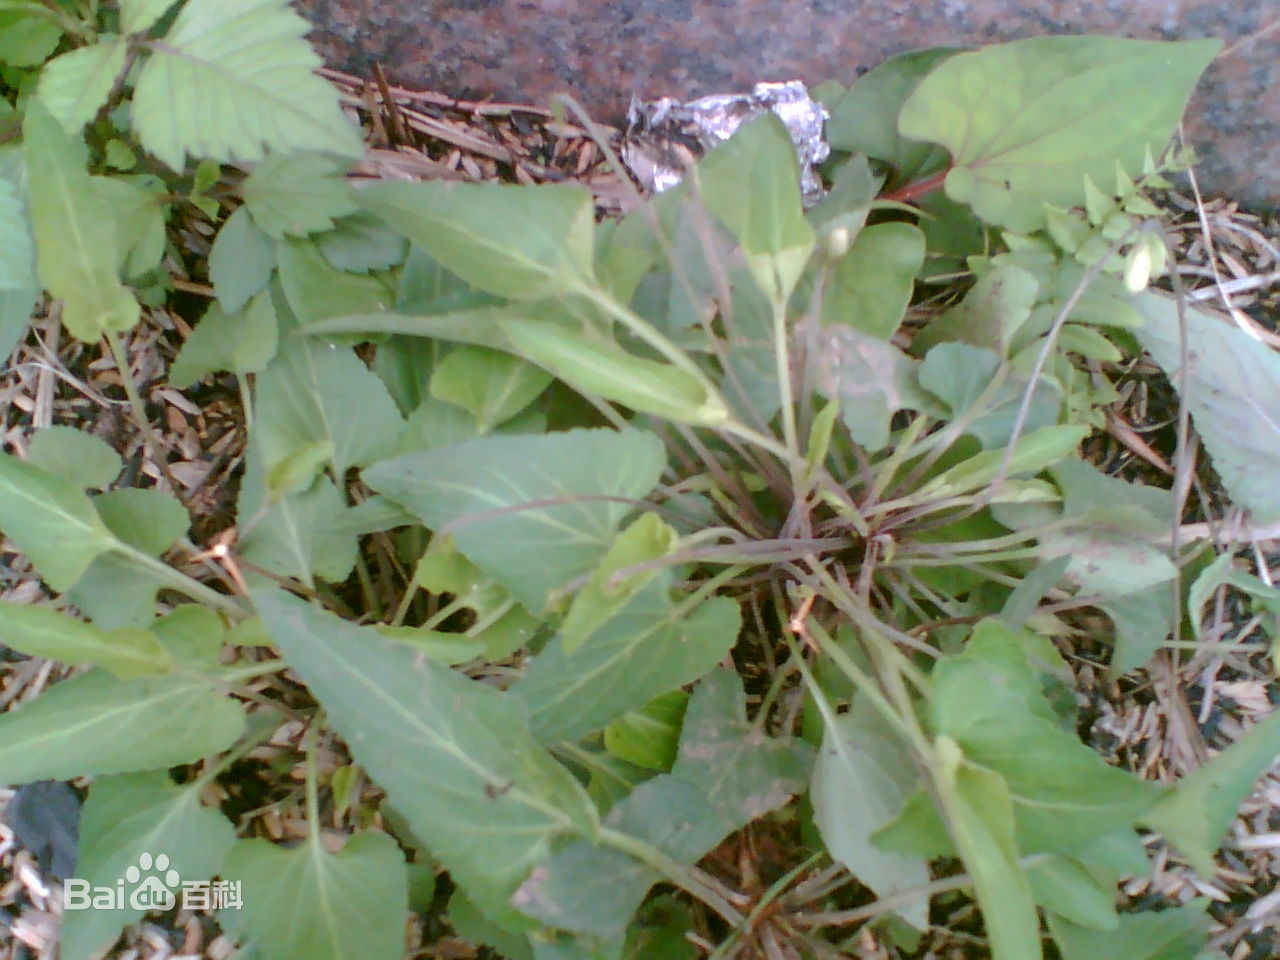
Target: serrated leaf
1027, 121
74, 86
514, 241
76, 245
74, 456
124, 817
51, 521
240, 261
536, 529
870, 287
257, 89
296, 194
860, 781
95, 723
752, 184
1232, 391
653, 645
492, 386
470, 743
40, 631
355, 901
139, 15
243, 341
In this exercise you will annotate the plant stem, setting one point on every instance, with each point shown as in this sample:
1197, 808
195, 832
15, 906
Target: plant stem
686, 878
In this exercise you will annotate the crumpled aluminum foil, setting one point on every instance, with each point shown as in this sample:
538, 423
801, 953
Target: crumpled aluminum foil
665, 137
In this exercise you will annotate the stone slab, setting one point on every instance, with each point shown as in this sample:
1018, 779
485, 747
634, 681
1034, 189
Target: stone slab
602, 52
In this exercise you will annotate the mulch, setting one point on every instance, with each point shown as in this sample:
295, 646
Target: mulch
1160, 721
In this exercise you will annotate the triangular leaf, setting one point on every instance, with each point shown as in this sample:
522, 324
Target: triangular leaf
470, 743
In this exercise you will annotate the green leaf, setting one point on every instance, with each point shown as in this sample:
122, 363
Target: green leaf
1027, 121
1222, 572
514, 241
16, 250
40, 631
243, 341
146, 519
27, 40
595, 889
752, 184
74, 456
647, 539
192, 635
1033, 452
959, 374
302, 535
980, 815
315, 392
137, 206
315, 290
296, 194
538, 528
593, 365
652, 646
741, 772
360, 243
95, 723
860, 782
1233, 393
77, 246
649, 737
865, 119
990, 314
1068, 888
124, 817
1062, 793
240, 261
1179, 933
254, 75
870, 287
75, 85
869, 378
480, 793
51, 521
492, 386
1196, 815
355, 901
139, 15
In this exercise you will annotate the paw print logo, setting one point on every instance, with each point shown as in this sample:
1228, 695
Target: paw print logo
153, 883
